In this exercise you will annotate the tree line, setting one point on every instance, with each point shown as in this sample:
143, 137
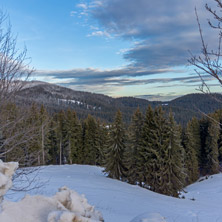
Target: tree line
153, 151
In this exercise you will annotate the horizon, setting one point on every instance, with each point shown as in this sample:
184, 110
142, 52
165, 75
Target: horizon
145, 97
117, 48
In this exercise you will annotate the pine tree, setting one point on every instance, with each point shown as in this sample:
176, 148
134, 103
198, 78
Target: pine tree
147, 155
158, 150
32, 148
211, 149
209, 146
195, 131
74, 131
218, 117
134, 165
203, 155
90, 141
114, 165
44, 120
61, 137
190, 143
51, 143
103, 141
172, 172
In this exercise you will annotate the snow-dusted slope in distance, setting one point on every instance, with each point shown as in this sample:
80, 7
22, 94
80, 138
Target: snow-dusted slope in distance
122, 202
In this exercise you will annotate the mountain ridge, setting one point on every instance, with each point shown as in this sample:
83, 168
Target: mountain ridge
57, 98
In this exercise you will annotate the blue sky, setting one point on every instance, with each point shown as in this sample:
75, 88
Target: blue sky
115, 47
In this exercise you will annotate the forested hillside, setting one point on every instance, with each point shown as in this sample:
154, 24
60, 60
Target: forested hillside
151, 151
56, 98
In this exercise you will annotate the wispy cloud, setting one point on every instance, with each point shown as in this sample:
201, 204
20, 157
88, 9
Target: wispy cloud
161, 32
82, 6
166, 30
100, 33
118, 77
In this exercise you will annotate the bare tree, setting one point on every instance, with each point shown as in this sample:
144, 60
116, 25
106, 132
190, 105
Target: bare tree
14, 63
209, 61
14, 72
18, 128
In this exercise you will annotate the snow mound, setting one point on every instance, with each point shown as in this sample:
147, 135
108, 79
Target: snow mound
151, 217
65, 206
6, 172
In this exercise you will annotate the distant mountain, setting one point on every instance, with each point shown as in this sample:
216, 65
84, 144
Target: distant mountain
57, 98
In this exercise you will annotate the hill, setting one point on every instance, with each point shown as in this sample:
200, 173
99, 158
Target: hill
56, 98
122, 202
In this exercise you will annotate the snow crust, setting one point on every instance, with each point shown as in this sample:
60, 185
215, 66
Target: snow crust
122, 202
153, 217
65, 206
6, 172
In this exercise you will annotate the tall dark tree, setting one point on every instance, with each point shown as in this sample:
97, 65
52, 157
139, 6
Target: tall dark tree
147, 156
44, 121
209, 133
90, 141
52, 143
211, 149
172, 171
114, 165
103, 131
61, 136
191, 155
74, 131
160, 142
134, 163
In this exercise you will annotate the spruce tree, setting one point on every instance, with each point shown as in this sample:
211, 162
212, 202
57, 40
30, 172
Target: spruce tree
190, 143
158, 150
61, 137
52, 143
73, 136
103, 141
211, 148
147, 155
90, 141
114, 164
194, 127
134, 163
44, 121
172, 171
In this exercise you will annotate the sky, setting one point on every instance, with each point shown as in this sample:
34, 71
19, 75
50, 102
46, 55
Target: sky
115, 47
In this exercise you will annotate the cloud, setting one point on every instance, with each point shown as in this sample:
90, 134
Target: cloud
72, 13
166, 30
161, 33
117, 77
100, 33
82, 6
92, 73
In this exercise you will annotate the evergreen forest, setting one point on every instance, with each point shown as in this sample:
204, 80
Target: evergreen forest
153, 151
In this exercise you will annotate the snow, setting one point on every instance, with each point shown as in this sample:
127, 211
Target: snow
119, 201
70, 101
6, 172
65, 206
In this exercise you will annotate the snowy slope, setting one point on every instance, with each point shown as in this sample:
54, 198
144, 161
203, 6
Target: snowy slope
121, 202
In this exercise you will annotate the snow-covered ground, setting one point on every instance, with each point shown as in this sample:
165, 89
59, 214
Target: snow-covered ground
122, 202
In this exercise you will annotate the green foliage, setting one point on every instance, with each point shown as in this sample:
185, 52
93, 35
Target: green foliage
211, 149
171, 169
91, 145
209, 133
191, 152
133, 159
150, 153
114, 164
73, 135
